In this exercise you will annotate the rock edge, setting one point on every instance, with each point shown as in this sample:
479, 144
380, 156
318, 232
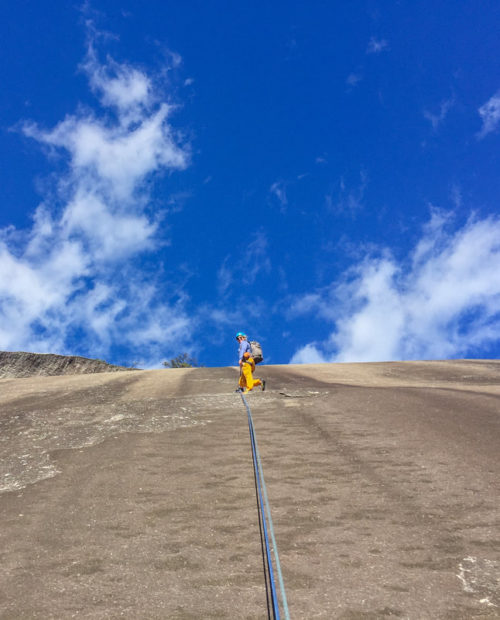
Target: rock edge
20, 364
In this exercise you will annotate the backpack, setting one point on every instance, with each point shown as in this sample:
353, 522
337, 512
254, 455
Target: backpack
256, 351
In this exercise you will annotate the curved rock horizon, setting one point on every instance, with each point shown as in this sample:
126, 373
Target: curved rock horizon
17, 364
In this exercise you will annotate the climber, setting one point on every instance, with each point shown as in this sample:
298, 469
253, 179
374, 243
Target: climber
247, 366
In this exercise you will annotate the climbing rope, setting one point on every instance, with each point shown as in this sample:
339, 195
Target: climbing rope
266, 521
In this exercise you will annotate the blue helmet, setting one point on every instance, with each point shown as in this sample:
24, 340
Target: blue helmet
239, 334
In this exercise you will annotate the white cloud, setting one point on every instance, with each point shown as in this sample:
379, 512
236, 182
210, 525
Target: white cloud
375, 46
76, 270
114, 158
309, 355
119, 86
118, 234
490, 115
443, 302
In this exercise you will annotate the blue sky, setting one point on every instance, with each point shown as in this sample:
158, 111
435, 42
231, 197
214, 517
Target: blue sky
322, 175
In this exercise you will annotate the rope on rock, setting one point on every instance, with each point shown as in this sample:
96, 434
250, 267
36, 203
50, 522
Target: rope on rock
267, 525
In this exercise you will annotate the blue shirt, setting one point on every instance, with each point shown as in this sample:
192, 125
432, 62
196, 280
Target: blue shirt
244, 347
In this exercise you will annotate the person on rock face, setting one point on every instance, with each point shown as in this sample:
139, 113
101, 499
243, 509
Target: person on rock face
247, 366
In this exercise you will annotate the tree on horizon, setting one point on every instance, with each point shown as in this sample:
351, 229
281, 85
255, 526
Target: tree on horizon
182, 361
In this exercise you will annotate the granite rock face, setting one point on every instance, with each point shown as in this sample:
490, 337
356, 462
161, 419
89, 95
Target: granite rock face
132, 494
20, 364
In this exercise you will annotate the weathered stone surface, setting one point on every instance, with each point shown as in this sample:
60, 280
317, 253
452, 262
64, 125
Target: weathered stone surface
20, 364
132, 494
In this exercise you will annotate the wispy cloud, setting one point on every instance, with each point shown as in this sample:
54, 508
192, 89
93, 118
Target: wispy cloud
490, 115
278, 190
443, 302
375, 46
225, 277
75, 271
346, 199
437, 119
456, 195
256, 259
252, 262
353, 79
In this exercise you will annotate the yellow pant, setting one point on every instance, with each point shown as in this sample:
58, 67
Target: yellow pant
246, 377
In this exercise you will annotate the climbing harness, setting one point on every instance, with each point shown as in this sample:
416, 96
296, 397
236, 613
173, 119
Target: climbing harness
265, 525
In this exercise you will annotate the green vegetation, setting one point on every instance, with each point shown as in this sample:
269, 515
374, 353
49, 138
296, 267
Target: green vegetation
182, 361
